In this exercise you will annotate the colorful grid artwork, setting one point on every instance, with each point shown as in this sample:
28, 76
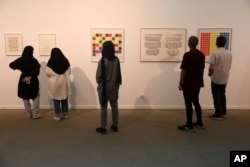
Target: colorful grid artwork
100, 36
208, 39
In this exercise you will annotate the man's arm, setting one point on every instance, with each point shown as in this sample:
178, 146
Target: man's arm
182, 76
211, 70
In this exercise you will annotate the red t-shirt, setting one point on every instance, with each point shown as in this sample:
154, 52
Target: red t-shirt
193, 63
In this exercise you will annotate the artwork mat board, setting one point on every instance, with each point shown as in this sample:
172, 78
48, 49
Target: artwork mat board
13, 44
208, 45
46, 43
162, 44
118, 42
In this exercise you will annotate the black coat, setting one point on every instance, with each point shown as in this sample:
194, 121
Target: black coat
29, 68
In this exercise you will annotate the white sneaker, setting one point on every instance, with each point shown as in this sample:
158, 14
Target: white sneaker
65, 116
29, 116
57, 118
36, 116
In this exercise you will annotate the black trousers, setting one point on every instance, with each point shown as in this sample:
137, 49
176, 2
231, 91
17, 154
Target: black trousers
192, 98
219, 97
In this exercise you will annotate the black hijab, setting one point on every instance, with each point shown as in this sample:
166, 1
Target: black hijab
108, 51
58, 62
26, 63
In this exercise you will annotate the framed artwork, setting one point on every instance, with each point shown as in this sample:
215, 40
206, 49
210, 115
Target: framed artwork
162, 44
46, 43
13, 44
208, 36
100, 35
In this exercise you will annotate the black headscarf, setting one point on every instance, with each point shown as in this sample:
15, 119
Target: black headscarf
108, 51
58, 62
25, 61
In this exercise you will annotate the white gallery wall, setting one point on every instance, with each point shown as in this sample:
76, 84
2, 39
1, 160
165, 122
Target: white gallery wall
145, 84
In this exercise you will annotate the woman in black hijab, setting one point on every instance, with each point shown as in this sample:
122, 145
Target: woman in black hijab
58, 71
28, 85
108, 78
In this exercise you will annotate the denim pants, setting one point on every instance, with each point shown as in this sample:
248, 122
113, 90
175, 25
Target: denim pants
32, 110
192, 98
104, 110
61, 107
219, 98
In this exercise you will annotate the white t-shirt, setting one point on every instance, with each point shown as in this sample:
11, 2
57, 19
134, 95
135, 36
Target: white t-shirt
222, 60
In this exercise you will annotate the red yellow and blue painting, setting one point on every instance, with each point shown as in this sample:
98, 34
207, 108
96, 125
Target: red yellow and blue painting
207, 38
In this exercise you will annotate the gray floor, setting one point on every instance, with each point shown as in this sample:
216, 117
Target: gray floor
146, 138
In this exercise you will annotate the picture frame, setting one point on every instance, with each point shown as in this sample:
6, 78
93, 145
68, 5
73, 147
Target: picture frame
46, 43
162, 44
100, 35
13, 44
208, 36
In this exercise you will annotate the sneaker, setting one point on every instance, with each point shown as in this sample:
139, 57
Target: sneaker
36, 116
29, 116
57, 118
216, 117
186, 128
65, 116
114, 128
101, 130
224, 115
199, 126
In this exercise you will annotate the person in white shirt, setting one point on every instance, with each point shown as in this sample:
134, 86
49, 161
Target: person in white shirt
58, 71
219, 68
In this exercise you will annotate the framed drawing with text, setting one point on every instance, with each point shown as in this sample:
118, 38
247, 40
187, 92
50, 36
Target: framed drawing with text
100, 35
162, 44
207, 39
46, 43
13, 44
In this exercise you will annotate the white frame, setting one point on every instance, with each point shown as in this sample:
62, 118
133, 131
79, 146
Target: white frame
162, 44
208, 48
13, 44
95, 55
46, 43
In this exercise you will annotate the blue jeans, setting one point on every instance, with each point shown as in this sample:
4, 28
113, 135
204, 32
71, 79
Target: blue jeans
61, 107
192, 98
219, 98
104, 110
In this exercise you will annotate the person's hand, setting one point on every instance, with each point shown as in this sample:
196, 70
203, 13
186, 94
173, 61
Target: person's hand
180, 85
27, 80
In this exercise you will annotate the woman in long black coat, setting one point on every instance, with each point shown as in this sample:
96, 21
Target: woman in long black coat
28, 85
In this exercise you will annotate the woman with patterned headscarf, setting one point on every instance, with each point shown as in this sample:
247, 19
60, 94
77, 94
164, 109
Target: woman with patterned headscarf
28, 85
108, 78
58, 71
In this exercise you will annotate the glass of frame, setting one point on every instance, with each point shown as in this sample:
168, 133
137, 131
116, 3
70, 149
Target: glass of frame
13, 44
100, 35
162, 44
46, 43
208, 36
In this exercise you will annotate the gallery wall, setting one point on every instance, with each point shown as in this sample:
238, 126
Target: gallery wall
145, 84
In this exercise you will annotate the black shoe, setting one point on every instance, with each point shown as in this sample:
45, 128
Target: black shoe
114, 128
186, 128
198, 125
216, 117
101, 130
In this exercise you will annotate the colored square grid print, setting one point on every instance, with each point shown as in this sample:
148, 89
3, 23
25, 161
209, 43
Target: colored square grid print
100, 36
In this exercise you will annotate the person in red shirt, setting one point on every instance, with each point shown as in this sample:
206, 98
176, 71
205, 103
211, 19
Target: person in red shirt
191, 80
